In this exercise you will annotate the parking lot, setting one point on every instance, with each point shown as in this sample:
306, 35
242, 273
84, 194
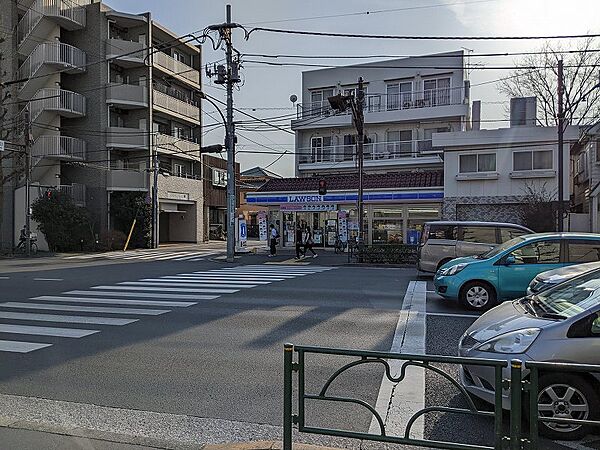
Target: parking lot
446, 322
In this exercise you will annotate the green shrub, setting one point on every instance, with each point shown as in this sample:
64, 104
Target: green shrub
126, 206
65, 225
389, 254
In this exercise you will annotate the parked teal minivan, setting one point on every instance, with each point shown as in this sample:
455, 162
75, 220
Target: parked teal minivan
504, 272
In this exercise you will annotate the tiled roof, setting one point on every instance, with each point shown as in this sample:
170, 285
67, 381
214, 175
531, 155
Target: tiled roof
259, 172
391, 180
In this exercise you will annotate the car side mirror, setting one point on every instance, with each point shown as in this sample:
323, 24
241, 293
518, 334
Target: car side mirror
509, 260
596, 326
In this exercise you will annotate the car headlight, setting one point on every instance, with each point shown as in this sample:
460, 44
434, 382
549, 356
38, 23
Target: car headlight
514, 342
453, 270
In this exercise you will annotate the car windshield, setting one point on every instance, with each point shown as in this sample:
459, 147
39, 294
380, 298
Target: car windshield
500, 248
574, 296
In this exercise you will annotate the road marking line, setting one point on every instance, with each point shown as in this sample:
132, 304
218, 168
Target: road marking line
48, 279
173, 283
398, 402
114, 301
441, 314
21, 347
209, 279
144, 295
166, 289
65, 319
237, 275
262, 275
77, 308
46, 331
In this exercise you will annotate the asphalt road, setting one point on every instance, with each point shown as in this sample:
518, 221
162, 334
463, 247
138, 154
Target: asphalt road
218, 358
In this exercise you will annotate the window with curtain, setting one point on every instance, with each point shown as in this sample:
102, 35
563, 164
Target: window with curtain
532, 160
479, 162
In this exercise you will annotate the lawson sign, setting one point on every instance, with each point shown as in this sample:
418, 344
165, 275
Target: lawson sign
305, 198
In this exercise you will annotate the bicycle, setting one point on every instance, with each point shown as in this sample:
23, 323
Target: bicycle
22, 245
340, 246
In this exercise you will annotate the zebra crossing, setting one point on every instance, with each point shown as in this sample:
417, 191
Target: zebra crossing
148, 255
103, 307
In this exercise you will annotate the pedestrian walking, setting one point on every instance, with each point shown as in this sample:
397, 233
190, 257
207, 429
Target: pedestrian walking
299, 242
309, 242
273, 236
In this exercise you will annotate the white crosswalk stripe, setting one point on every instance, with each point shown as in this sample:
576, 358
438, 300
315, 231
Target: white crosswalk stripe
135, 300
148, 255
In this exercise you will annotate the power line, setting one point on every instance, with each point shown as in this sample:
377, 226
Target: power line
426, 38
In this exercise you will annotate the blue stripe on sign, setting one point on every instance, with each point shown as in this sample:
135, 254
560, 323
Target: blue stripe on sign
353, 197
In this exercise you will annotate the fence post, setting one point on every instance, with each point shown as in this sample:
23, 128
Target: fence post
515, 404
288, 355
533, 408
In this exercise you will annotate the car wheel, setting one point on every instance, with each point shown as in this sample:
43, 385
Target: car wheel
569, 397
477, 296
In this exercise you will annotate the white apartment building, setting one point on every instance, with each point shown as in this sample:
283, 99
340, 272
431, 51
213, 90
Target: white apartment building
406, 101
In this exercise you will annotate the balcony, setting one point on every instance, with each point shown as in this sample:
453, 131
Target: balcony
49, 57
378, 108
60, 101
127, 96
171, 105
127, 180
75, 191
42, 16
180, 147
126, 53
126, 138
58, 147
176, 68
399, 153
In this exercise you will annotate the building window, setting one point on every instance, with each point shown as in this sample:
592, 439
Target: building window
219, 178
399, 95
178, 170
479, 162
399, 143
318, 101
320, 149
598, 150
532, 160
436, 91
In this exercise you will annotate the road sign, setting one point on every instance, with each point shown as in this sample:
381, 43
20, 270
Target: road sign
243, 232
1, 146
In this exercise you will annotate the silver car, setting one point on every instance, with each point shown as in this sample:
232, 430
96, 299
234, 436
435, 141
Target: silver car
546, 280
561, 324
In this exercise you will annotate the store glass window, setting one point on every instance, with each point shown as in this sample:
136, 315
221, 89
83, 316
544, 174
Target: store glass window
417, 217
387, 226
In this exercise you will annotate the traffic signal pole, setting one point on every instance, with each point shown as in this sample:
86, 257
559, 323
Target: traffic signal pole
360, 131
561, 130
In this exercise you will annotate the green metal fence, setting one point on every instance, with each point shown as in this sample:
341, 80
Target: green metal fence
522, 383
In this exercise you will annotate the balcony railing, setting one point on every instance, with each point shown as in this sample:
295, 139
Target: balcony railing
53, 53
175, 67
59, 147
132, 51
181, 147
374, 103
380, 151
121, 137
75, 191
69, 14
172, 104
132, 95
65, 103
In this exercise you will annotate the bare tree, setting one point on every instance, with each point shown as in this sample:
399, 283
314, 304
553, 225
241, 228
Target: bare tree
539, 211
537, 76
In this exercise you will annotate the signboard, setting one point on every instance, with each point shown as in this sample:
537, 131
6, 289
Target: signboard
316, 207
1, 146
178, 195
219, 178
304, 198
343, 226
263, 229
243, 232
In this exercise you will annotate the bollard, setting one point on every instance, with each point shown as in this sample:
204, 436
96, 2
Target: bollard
515, 404
288, 355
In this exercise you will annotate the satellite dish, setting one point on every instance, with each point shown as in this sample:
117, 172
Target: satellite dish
293, 98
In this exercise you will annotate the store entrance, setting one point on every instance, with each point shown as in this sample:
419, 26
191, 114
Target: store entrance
323, 225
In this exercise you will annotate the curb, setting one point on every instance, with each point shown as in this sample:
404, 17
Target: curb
263, 445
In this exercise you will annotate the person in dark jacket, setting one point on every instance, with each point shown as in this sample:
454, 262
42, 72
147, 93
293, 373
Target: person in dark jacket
308, 242
299, 242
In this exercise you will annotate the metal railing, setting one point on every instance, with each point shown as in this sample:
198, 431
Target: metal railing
182, 147
170, 64
428, 98
380, 151
362, 357
59, 100
518, 382
175, 105
55, 146
64, 9
125, 93
56, 53
132, 50
75, 191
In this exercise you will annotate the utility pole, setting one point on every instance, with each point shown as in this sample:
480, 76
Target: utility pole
359, 122
27, 182
229, 75
561, 130
154, 191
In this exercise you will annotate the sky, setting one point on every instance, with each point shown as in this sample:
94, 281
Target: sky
265, 91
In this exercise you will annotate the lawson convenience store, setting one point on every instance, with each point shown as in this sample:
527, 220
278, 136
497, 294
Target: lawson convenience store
396, 205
